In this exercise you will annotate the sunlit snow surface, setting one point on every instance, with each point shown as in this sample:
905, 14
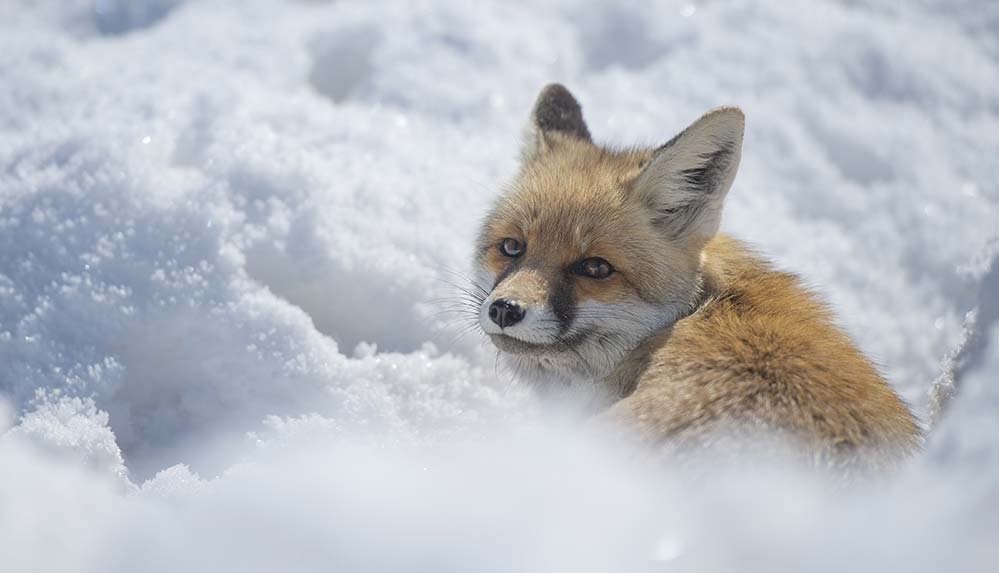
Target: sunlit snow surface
225, 227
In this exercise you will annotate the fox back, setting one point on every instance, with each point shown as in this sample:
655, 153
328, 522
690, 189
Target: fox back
604, 268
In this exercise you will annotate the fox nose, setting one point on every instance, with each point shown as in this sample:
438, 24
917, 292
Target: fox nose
505, 312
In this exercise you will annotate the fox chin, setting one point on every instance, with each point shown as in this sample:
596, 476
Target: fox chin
604, 267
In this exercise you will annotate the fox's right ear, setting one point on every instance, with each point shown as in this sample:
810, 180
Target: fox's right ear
685, 181
555, 112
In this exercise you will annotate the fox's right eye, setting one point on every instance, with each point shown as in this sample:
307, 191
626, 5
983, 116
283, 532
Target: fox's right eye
511, 247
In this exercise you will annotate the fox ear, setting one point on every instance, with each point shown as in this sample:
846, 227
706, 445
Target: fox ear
686, 180
555, 111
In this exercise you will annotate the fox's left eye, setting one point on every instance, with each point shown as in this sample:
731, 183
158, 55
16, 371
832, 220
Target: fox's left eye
511, 247
594, 268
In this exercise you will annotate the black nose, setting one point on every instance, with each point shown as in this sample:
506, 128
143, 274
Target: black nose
505, 312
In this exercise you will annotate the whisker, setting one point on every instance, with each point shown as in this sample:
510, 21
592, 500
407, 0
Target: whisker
463, 276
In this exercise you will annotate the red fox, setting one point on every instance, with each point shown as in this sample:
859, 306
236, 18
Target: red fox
604, 267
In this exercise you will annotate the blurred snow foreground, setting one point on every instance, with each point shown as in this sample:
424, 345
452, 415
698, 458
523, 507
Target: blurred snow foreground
223, 227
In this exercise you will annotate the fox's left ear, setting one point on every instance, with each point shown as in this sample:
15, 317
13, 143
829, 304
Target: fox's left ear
556, 113
686, 179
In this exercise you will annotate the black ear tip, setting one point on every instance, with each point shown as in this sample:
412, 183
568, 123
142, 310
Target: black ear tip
559, 97
555, 90
557, 110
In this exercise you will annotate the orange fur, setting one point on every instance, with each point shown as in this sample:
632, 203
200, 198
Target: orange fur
694, 336
762, 352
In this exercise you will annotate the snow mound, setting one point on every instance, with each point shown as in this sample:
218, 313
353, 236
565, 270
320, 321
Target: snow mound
226, 228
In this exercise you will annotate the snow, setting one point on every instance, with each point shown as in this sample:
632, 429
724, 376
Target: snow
225, 228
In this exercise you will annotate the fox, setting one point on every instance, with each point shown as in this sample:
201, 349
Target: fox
605, 268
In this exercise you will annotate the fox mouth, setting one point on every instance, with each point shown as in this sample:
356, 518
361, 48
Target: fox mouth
508, 343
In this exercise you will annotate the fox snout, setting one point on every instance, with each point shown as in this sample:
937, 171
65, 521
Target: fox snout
519, 306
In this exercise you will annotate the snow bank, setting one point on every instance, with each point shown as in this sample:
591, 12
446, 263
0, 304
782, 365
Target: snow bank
225, 229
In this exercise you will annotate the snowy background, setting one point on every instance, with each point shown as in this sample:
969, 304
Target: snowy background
225, 228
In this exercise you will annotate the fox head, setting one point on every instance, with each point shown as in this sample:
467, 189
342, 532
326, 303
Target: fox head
591, 250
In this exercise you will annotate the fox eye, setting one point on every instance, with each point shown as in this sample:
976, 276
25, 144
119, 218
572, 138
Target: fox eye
511, 247
594, 268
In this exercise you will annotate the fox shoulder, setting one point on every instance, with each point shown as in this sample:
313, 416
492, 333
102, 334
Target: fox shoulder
761, 351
